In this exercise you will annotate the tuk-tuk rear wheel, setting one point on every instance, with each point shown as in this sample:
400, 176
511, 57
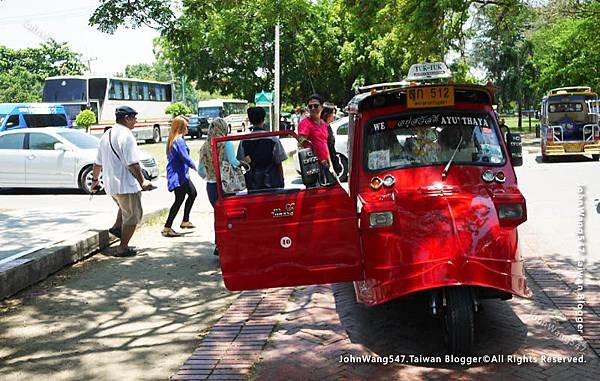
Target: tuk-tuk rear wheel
459, 320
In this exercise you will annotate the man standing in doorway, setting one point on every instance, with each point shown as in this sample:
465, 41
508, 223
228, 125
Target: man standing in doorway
264, 155
118, 161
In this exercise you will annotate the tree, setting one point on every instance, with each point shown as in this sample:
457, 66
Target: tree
23, 71
18, 85
566, 50
177, 108
502, 48
85, 119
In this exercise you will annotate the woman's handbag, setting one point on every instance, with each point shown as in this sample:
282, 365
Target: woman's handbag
232, 179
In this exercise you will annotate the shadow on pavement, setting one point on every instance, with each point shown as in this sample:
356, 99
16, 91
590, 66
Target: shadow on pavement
108, 318
404, 326
40, 191
564, 159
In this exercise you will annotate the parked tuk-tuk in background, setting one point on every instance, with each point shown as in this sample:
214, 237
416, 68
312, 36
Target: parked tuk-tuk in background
432, 208
569, 123
31, 115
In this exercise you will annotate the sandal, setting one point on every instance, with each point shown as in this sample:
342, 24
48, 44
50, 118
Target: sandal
127, 253
187, 225
168, 232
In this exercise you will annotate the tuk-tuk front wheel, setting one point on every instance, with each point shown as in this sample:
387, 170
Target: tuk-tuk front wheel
459, 320
595, 157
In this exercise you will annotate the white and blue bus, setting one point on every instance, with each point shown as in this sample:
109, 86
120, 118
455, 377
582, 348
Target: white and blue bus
232, 110
104, 94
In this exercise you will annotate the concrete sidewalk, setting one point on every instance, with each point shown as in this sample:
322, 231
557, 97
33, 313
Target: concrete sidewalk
108, 318
41, 237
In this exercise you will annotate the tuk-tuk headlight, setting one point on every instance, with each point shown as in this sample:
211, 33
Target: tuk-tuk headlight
379, 219
389, 180
510, 211
376, 183
500, 177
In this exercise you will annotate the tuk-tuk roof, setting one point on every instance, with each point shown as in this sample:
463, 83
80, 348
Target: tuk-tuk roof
7, 108
387, 95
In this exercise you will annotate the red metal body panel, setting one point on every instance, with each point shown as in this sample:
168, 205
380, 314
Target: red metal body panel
319, 224
445, 232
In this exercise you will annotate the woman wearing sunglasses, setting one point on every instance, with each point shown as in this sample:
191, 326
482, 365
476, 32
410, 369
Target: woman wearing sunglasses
313, 132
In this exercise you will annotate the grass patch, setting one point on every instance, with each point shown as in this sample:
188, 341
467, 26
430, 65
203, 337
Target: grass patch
513, 122
158, 219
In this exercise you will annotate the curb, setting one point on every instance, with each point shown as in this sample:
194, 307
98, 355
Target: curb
37, 266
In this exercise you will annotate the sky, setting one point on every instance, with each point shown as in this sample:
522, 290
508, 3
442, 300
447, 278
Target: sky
27, 23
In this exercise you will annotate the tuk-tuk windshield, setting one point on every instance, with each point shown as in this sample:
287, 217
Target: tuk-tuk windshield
419, 139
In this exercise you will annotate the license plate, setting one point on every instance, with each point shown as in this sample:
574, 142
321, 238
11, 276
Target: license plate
436, 96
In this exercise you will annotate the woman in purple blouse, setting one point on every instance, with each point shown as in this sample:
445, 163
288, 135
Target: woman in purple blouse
178, 177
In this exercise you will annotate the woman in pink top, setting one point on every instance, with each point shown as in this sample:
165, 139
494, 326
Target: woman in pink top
315, 130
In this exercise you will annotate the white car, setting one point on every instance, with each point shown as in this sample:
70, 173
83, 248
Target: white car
53, 158
340, 131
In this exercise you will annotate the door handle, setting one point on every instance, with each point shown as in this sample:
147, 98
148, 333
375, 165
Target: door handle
31, 157
239, 214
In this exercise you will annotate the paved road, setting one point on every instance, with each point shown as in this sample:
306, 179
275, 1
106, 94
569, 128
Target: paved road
31, 218
551, 190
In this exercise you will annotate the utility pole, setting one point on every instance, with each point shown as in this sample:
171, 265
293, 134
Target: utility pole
183, 88
276, 100
88, 63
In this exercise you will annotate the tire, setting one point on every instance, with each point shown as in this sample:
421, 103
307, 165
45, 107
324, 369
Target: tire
156, 138
85, 181
459, 320
343, 174
596, 157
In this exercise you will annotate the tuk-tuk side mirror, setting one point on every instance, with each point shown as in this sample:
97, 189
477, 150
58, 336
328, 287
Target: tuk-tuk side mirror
309, 167
515, 148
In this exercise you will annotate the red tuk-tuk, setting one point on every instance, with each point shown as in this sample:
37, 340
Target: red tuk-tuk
432, 208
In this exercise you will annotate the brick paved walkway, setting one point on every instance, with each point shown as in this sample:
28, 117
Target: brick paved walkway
265, 336
233, 345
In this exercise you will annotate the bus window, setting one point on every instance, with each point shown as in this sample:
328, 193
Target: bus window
126, 91
163, 93
210, 112
116, 90
146, 94
566, 107
97, 88
135, 91
64, 90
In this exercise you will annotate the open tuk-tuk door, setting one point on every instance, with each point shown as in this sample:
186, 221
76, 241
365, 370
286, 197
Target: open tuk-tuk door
287, 238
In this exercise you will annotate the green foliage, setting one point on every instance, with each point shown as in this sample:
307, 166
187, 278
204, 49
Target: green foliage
567, 52
85, 119
111, 14
332, 46
157, 71
18, 85
23, 71
501, 47
177, 108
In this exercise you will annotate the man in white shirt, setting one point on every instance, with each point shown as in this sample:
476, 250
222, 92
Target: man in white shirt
118, 161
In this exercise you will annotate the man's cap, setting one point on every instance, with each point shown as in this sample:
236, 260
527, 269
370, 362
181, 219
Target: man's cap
124, 111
